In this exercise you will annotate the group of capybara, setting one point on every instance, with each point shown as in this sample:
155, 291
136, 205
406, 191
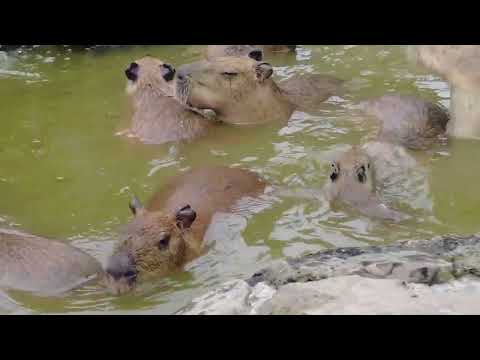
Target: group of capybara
232, 86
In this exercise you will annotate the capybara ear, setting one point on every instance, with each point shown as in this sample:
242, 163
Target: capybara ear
263, 71
168, 72
362, 174
132, 72
135, 206
185, 217
335, 171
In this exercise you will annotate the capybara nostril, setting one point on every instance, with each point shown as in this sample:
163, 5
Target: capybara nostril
122, 266
256, 55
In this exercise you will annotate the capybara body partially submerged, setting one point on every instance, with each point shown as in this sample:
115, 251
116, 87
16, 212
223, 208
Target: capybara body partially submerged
157, 116
39, 265
408, 120
307, 91
241, 91
352, 182
169, 231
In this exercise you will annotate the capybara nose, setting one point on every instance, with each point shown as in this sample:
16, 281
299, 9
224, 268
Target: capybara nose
122, 266
256, 55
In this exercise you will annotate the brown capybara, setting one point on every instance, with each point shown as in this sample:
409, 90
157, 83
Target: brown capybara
241, 91
352, 182
408, 120
157, 116
169, 231
39, 265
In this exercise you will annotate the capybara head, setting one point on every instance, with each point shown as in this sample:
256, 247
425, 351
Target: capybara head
239, 90
352, 170
154, 243
352, 182
251, 51
149, 72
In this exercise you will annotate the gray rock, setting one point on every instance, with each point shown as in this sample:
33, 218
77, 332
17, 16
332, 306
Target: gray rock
232, 298
228, 299
354, 294
389, 262
408, 277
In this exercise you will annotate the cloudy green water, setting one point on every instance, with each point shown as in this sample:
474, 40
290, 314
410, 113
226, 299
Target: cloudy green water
64, 175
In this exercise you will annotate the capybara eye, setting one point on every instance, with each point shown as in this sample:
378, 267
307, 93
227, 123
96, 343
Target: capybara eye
164, 241
335, 171
229, 74
168, 72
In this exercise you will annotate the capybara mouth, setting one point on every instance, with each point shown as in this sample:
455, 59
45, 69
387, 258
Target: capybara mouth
120, 285
182, 90
121, 272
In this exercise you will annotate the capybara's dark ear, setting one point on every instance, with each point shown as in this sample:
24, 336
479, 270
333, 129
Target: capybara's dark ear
335, 171
135, 206
132, 72
263, 71
185, 217
168, 72
362, 174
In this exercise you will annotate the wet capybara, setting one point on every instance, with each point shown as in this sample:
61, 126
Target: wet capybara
169, 231
39, 265
157, 116
408, 120
241, 91
352, 181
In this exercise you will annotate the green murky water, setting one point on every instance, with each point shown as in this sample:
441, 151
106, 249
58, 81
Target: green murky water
63, 173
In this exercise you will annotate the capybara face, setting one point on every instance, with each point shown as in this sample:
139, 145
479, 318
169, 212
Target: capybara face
149, 72
352, 169
352, 182
250, 51
222, 84
154, 244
